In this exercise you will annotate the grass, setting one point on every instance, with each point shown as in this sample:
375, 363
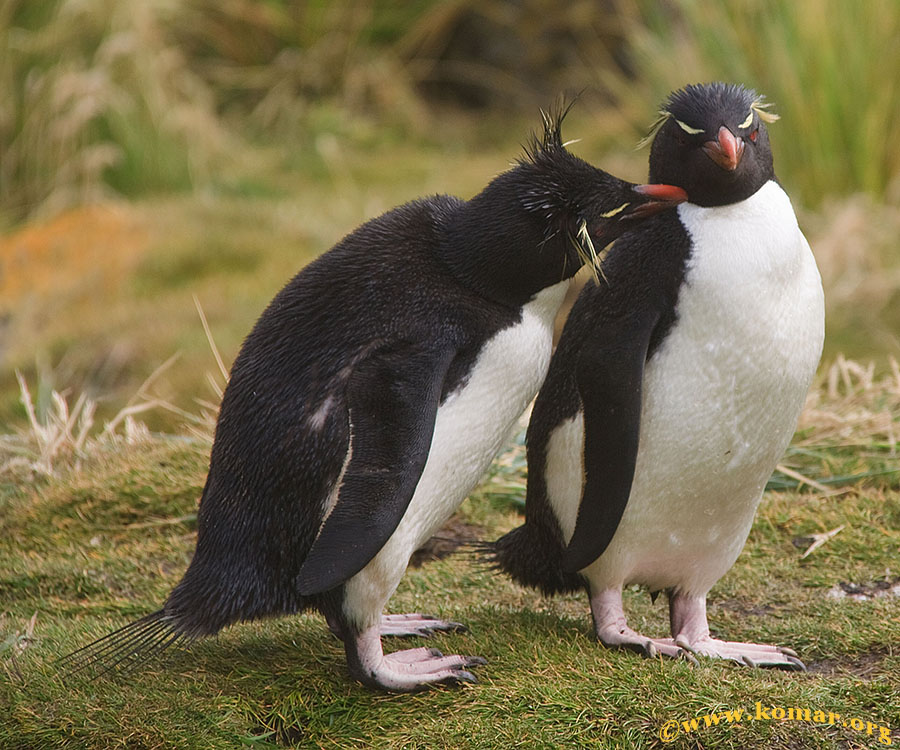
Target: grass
821, 62
84, 549
137, 97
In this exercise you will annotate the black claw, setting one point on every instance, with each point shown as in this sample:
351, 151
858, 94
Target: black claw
454, 680
436, 653
796, 664
475, 661
791, 665
687, 656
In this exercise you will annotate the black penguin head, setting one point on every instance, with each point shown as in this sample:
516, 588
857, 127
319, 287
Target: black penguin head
711, 140
538, 223
579, 201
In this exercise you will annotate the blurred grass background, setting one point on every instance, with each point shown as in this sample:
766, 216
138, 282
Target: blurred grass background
152, 150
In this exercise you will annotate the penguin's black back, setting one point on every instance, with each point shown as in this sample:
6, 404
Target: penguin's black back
408, 298
283, 430
642, 272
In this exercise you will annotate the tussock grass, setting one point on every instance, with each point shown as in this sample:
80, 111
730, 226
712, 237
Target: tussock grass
64, 436
296, 123
853, 405
135, 96
99, 100
107, 97
823, 63
855, 243
848, 431
96, 299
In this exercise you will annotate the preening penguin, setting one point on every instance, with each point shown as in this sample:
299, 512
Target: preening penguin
368, 400
676, 387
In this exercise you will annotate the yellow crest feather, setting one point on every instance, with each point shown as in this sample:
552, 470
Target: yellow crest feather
760, 106
663, 115
587, 252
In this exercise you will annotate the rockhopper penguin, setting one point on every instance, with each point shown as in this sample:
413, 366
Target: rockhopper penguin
676, 387
368, 400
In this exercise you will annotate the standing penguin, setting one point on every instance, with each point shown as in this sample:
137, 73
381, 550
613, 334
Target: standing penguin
368, 400
676, 387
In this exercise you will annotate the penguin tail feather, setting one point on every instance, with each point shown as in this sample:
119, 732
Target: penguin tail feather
531, 559
127, 648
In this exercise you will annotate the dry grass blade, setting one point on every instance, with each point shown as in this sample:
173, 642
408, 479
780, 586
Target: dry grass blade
161, 522
853, 406
820, 539
212, 345
803, 479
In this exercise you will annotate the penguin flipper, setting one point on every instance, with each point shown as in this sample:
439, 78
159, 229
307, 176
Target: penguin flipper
393, 397
609, 374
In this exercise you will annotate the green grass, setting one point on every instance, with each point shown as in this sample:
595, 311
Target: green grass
137, 97
88, 550
822, 63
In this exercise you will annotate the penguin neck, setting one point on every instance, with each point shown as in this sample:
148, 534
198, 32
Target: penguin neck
503, 255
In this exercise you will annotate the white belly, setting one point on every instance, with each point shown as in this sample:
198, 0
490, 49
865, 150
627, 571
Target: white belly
721, 397
471, 426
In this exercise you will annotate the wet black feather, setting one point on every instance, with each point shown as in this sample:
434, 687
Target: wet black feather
439, 273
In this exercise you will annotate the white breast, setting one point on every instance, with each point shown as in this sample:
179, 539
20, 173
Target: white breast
471, 426
721, 395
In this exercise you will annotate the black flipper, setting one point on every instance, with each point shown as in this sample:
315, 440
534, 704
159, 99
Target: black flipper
609, 374
393, 397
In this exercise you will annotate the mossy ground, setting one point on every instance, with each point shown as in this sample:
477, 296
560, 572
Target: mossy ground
88, 550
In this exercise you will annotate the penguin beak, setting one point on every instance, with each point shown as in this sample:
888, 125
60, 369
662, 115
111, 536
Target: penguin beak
726, 150
655, 198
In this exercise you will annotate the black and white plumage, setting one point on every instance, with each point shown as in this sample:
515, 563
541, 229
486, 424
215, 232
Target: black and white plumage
370, 397
676, 387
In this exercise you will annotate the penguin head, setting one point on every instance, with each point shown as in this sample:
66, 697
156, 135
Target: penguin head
538, 223
711, 140
578, 202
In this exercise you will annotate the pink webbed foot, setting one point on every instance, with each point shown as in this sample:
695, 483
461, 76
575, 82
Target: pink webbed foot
750, 654
407, 626
406, 671
613, 631
687, 615
415, 624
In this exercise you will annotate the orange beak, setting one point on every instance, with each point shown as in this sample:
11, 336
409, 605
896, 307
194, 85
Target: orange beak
662, 197
726, 151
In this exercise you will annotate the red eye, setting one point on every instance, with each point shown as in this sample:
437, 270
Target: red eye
754, 135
